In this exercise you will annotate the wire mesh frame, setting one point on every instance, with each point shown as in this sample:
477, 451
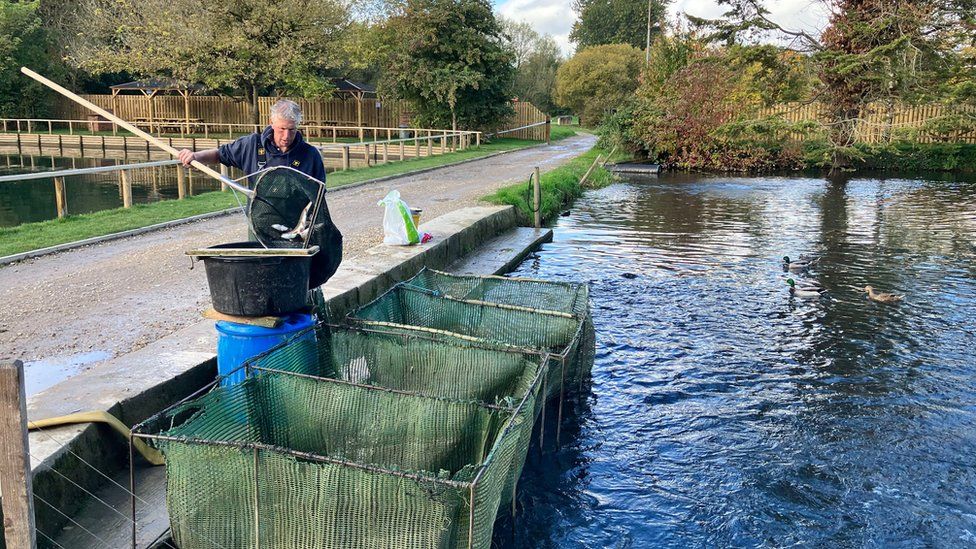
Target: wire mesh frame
256, 447
259, 175
545, 358
563, 357
580, 290
542, 356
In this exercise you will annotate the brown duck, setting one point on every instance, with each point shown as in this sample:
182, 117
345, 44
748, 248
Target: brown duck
882, 297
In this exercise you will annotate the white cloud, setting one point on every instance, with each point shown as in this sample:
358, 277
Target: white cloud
556, 17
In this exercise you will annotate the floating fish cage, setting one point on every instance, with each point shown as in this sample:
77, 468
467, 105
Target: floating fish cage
427, 304
523, 292
284, 459
412, 362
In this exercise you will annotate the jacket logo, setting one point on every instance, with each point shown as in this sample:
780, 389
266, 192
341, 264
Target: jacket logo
296, 163
260, 151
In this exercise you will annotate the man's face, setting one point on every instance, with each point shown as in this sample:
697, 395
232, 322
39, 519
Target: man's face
284, 133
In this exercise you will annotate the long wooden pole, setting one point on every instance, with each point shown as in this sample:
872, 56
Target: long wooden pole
15, 471
149, 138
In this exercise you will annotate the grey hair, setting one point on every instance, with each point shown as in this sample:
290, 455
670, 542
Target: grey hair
285, 109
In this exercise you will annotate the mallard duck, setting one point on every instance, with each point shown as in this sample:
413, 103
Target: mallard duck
807, 291
882, 297
796, 266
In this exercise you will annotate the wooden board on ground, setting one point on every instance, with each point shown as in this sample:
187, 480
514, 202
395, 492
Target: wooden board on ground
262, 321
502, 253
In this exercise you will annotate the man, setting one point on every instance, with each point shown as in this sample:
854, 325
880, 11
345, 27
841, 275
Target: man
280, 144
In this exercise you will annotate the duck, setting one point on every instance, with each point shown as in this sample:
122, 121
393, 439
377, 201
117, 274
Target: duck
796, 266
882, 297
807, 291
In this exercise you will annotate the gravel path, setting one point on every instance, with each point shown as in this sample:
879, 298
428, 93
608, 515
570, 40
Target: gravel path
65, 312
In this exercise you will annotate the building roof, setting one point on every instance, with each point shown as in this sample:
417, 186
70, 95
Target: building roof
344, 85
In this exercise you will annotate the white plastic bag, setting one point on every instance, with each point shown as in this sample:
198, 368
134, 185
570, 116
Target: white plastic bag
398, 226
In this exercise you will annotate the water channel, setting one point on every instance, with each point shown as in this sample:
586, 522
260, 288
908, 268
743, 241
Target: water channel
723, 411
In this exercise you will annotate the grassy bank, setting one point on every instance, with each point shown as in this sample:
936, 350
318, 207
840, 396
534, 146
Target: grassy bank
33, 236
560, 187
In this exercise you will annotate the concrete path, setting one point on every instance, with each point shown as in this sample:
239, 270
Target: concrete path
66, 312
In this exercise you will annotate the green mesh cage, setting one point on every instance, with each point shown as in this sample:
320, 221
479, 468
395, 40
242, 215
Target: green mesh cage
525, 292
289, 460
412, 362
408, 309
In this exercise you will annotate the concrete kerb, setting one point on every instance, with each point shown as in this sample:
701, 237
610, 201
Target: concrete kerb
167, 224
132, 387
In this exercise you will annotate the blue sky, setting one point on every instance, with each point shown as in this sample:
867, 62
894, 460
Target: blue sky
556, 17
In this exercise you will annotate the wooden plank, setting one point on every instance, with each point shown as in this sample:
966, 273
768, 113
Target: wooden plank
15, 471
262, 321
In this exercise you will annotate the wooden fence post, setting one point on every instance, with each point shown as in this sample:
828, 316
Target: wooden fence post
126, 189
60, 200
15, 468
430, 143
223, 172
401, 151
345, 157
537, 199
180, 182
366, 154
386, 152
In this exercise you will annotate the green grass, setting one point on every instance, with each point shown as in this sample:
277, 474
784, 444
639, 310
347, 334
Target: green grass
560, 187
33, 236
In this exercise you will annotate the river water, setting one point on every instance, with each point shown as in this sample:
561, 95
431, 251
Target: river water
724, 412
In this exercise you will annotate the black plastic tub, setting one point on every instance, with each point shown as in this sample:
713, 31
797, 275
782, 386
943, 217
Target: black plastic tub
257, 285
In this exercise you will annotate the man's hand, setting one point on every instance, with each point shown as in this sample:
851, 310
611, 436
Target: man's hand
186, 157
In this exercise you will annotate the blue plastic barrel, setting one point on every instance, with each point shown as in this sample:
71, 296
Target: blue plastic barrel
239, 342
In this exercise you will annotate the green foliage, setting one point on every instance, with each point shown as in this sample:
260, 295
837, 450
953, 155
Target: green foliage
901, 156
22, 43
248, 45
450, 63
598, 79
616, 22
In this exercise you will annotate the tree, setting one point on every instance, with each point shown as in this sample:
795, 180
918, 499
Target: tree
22, 42
535, 79
598, 79
247, 45
450, 63
537, 58
616, 21
872, 50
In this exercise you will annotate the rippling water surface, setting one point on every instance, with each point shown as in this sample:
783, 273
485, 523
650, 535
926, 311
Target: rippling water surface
723, 412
